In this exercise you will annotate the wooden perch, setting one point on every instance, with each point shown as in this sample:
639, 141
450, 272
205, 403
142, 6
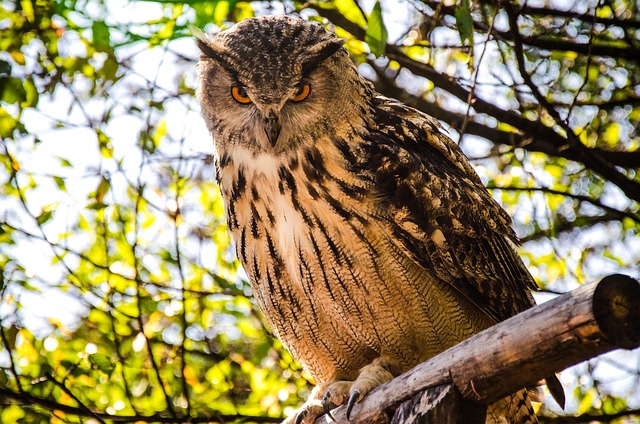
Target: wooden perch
513, 354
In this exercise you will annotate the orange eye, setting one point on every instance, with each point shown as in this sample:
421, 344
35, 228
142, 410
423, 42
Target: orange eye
302, 93
240, 95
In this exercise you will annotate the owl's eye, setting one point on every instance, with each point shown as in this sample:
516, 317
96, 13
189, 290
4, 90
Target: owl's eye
240, 95
303, 92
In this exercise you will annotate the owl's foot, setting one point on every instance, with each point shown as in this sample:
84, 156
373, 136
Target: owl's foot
335, 395
352, 392
308, 413
311, 409
328, 396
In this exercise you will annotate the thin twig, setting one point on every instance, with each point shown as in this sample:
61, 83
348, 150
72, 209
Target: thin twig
588, 64
65, 389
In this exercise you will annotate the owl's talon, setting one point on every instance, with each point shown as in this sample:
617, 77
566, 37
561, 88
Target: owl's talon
326, 405
300, 416
328, 413
353, 399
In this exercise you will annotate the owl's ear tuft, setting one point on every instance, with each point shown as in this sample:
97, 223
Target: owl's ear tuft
208, 47
321, 52
210, 50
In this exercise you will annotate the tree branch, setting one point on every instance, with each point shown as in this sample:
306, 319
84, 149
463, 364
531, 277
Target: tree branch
562, 225
582, 198
30, 400
588, 418
629, 187
5, 343
547, 144
586, 17
65, 389
520, 351
630, 52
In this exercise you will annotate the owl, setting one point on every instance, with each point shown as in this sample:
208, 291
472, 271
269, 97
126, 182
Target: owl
370, 242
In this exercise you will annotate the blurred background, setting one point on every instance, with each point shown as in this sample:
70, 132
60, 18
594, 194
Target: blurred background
121, 297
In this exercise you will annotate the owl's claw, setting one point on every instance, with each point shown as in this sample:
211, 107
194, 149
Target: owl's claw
354, 398
327, 404
333, 394
300, 416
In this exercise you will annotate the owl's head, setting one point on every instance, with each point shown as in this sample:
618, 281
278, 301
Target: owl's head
271, 83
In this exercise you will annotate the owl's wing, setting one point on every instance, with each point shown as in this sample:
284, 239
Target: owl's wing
435, 205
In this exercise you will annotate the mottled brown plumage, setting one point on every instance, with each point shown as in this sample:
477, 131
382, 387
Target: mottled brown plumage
370, 242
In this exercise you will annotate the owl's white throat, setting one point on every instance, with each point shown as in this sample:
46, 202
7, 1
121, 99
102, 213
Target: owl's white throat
261, 173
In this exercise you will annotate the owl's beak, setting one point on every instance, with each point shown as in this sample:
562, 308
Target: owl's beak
272, 127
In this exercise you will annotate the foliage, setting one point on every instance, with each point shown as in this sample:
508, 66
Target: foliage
122, 300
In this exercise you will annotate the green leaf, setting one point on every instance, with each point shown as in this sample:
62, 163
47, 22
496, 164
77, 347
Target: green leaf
347, 8
27, 10
221, 11
12, 90
60, 183
7, 124
242, 10
215, 12
96, 206
31, 93
110, 68
464, 21
5, 68
65, 162
102, 189
45, 216
350, 10
611, 135
101, 37
157, 135
376, 35
12, 414
106, 147
102, 362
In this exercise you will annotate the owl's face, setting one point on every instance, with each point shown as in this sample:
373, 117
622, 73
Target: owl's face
271, 83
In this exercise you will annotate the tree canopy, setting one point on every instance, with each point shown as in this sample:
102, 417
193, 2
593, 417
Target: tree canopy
121, 297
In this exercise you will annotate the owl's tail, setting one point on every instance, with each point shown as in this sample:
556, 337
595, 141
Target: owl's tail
514, 409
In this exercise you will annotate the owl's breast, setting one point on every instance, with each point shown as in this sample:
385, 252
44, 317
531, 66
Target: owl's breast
334, 286
295, 242
263, 205
282, 210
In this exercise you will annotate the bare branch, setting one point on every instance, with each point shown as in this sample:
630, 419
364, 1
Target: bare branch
629, 187
65, 389
516, 353
546, 141
586, 17
30, 400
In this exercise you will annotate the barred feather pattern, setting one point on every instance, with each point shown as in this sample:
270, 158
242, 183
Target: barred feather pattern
364, 230
514, 409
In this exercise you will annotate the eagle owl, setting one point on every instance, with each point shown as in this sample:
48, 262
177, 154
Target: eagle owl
370, 242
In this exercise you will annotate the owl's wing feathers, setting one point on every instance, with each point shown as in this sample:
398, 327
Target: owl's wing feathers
432, 200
